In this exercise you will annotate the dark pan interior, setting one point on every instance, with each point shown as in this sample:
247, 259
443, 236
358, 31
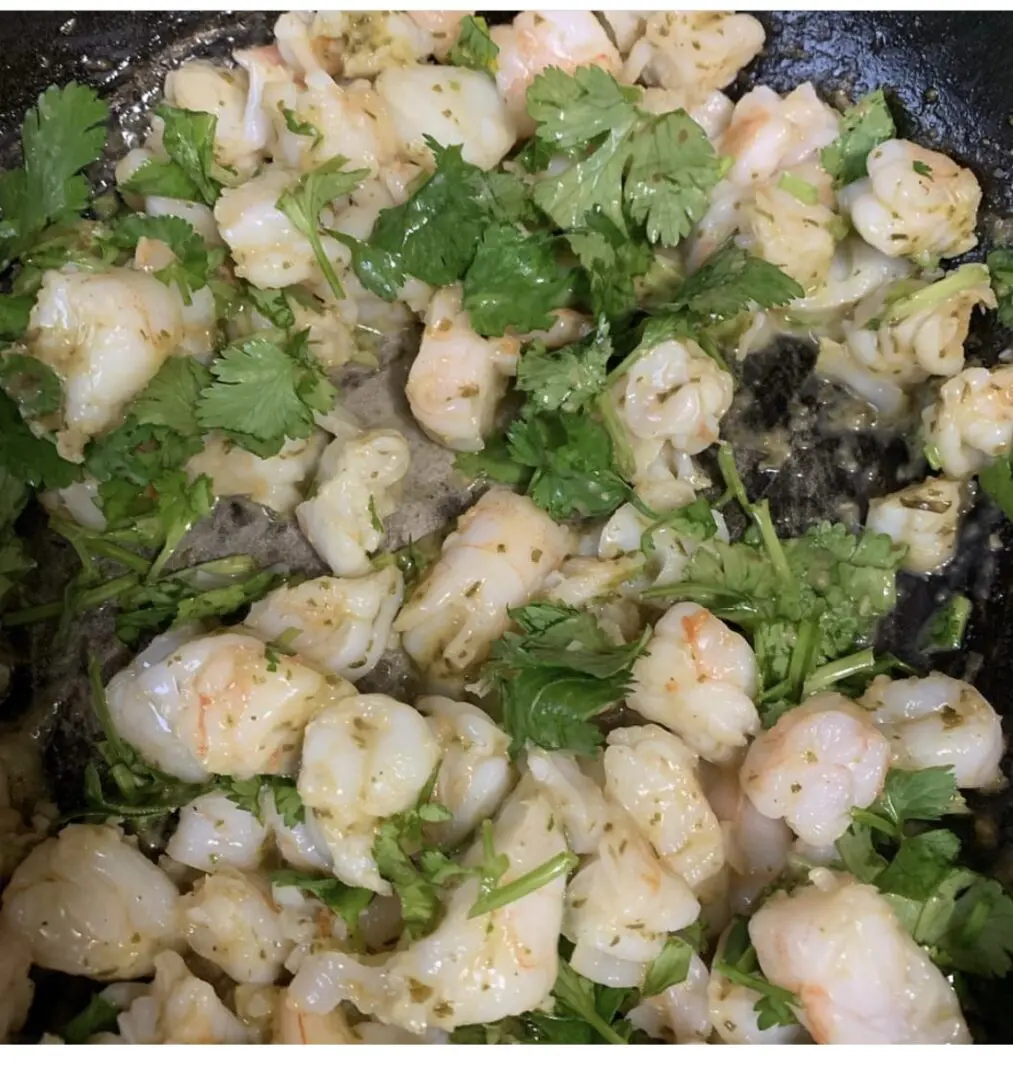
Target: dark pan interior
950, 81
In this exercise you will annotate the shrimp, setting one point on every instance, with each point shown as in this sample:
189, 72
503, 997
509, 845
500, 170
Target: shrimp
241, 134
713, 111
914, 202
300, 844
469, 970
680, 1014
89, 903
16, 986
819, 761
756, 846
179, 1008
198, 216
858, 974
105, 334
971, 422
698, 678
218, 704
475, 774
675, 392
363, 760
499, 557
925, 517
458, 377
454, 106
651, 773
230, 919
355, 43
358, 480
856, 271
939, 721
268, 250
576, 799
277, 482
214, 833
621, 907
697, 50
341, 625
537, 40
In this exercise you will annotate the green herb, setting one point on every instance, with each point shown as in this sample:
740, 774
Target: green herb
658, 170
98, 1016
492, 896
27, 458
921, 168
1000, 265
863, 127
474, 47
970, 276
273, 304
799, 189
191, 172
669, 968
302, 127
33, 385
495, 462
15, 312
347, 901
263, 394
945, 630
612, 260
596, 1006
61, 135
194, 260
566, 379
737, 963
513, 283
557, 675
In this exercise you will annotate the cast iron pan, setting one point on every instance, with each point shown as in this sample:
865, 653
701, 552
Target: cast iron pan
951, 85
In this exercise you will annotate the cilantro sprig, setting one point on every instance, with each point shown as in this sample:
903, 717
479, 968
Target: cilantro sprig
863, 127
775, 1006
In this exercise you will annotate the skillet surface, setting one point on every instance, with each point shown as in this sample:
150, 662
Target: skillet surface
951, 86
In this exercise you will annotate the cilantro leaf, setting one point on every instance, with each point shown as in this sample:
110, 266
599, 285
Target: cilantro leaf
194, 260
920, 865
918, 795
303, 202
556, 676
612, 260
945, 630
567, 379
596, 1006
474, 47
35, 461
673, 169
33, 385
494, 462
1000, 265
996, 481
513, 283
99, 1015
574, 464
572, 110
61, 135
301, 127
14, 315
737, 963
263, 394
863, 127
669, 968
347, 901
170, 398
189, 140
273, 304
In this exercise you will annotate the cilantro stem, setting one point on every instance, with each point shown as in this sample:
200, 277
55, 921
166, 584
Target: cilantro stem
875, 821
759, 512
620, 443
85, 540
837, 670
86, 601
229, 566
530, 882
101, 707
806, 640
325, 265
733, 481
754, 982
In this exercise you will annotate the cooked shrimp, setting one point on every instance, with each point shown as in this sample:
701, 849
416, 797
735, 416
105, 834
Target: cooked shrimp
87, 902
105, 334
475, 773
230, 919
698, 678
469, 970
363, 760
458, 377
797, 236
914, 202
701, 50
177, 1007
857, 972
454, 106
621, 907
972, 420
923, 516
358, 481
939, 721
675, 392
214, 834
576, 799
499, 557
651, 773
218, 704
818, 762
342, 625
536, 40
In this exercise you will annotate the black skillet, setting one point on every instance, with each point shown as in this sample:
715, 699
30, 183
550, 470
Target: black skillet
950, 83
